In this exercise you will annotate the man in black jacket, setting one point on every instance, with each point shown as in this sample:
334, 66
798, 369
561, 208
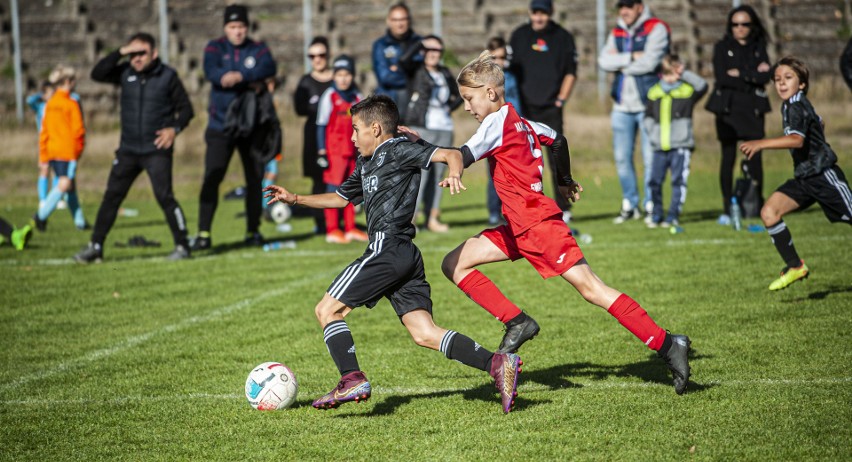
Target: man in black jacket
154, 109
544, 60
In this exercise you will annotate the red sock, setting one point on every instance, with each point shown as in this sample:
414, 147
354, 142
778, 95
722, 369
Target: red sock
481, 290
637, 321
332, 220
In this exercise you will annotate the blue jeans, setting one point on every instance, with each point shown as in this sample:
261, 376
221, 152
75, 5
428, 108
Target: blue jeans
676, 160
624, 128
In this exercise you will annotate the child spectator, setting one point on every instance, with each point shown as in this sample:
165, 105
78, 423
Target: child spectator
668, 122
535, 229
334, 140
61, 142
816, 176
386, 180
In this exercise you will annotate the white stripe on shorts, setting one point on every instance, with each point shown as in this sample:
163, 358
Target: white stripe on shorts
841, 187
342, 284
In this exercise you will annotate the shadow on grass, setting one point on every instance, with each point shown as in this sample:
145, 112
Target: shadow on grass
652, 370
822, 294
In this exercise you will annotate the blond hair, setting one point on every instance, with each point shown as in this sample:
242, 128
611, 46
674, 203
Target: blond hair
481, 71
62, 73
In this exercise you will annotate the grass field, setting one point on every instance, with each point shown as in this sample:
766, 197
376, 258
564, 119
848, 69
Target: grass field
140, 359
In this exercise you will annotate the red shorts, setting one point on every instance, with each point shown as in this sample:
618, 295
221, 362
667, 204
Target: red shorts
548, 246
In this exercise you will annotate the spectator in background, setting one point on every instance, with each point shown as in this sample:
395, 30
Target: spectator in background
154, 110
668, 121
633, 51
544, 61
234, 64
846, 64
336, 147
432, 95
306, 100
387, 52
61, 142
502, 56
741, 68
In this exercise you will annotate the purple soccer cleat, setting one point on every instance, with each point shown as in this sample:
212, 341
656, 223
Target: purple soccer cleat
352, 387
505, 368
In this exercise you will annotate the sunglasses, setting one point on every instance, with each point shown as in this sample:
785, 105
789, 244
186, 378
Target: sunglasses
321, 55
138, 53
740, 24
439, 50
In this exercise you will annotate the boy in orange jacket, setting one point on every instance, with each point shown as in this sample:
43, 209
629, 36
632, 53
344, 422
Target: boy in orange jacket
61, 142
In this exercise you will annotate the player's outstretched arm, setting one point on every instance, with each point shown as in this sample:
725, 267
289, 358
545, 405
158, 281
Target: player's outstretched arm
453, 159
561, 157
316, 201
791, 141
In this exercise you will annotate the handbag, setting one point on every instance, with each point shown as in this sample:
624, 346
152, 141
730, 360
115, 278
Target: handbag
748, 193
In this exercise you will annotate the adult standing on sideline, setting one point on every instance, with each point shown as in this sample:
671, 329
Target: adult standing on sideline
633, 51
432, 96
742, 70
388, 50
544, 61
234, 64
306, 100
154, 109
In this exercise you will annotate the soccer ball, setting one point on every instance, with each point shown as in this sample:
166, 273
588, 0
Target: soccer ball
280, 212
271, 386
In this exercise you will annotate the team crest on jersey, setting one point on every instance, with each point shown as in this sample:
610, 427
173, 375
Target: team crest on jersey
380, 160
250, 62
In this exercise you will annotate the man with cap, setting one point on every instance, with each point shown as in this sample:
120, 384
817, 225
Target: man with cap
544, 61
633, 51
233, 64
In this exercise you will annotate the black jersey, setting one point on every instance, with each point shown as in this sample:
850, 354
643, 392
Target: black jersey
387, 183
815, 155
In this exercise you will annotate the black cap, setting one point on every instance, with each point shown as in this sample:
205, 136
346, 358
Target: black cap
627, 3
343, 62
236, 13
542, 5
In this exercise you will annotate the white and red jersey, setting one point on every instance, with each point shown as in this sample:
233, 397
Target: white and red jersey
512, 146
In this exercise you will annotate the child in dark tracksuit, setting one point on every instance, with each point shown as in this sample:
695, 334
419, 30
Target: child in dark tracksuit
668, 121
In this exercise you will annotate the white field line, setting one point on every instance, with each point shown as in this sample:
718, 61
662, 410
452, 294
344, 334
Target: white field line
132, 342
413, 391
430, 249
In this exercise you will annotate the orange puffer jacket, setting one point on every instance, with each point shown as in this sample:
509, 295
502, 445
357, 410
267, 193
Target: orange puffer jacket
62, 133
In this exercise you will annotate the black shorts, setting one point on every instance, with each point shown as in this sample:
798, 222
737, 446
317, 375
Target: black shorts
829, 189
390, 267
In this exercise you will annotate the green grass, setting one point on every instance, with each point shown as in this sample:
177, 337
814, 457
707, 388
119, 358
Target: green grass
140, 359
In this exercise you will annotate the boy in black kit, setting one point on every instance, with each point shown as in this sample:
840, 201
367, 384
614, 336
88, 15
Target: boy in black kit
816, 176
386, 179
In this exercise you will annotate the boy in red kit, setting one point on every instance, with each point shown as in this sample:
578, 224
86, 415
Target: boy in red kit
336, 150
534, 228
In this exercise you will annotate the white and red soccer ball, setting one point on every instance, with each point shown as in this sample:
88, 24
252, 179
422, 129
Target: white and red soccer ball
271, 386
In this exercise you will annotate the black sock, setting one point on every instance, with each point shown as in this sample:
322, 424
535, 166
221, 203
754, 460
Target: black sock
783, 241
517, 319
341, 346
667, 344
464, 350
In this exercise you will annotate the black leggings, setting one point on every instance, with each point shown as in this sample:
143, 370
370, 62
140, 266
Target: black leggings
220, 148
726, 172
124, 171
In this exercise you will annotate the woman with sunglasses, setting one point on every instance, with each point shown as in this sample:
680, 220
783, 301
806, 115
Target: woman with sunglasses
432, 96
306, 100
741, 68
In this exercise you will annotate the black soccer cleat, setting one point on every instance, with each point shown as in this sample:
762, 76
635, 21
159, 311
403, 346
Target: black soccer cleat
200, 243
39, 224
517, 334
92, 253
677, 358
